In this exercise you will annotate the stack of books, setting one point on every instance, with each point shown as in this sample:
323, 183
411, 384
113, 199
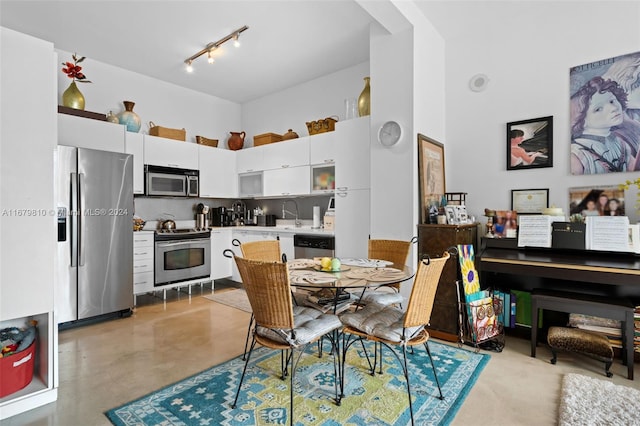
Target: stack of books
611, 329
636, 323
326, 300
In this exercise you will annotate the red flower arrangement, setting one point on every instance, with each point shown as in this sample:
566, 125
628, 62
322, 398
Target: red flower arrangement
74, 71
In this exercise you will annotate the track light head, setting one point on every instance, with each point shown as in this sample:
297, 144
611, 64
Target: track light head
189, 68
210, 57
236, 42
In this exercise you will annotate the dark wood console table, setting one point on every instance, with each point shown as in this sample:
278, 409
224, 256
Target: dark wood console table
604, 275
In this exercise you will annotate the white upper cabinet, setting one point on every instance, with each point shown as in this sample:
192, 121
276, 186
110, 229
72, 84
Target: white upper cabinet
322, 148
218, 177
286, 182
353, 163
249, 160
134, 145
290, 153
170, 153
88, 133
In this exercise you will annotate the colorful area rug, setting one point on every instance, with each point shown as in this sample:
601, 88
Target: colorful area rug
206, 398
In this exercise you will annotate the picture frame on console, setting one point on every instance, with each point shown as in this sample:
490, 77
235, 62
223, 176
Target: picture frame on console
530, 143
597, 201
529, 201
431, 174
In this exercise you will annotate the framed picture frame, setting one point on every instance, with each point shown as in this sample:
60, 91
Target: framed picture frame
431, 174
529, 201
530, 143
597, 201
452, 214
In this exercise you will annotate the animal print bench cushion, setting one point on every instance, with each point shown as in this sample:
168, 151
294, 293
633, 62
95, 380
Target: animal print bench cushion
577, 340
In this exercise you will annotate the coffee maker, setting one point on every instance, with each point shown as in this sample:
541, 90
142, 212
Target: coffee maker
219, 216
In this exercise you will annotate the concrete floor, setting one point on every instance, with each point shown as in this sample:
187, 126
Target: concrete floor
108, 364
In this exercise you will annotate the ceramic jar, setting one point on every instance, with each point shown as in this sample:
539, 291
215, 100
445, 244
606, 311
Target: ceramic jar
130, 119
289, 135
236, 140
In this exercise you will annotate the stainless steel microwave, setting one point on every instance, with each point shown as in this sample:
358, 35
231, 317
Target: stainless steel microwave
171, 182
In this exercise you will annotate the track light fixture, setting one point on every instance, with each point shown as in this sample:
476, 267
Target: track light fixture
209, 48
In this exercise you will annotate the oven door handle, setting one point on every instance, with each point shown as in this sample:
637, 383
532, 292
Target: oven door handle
180, 243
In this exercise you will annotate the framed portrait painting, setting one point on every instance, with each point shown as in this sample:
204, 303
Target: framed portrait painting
530, 143
597, 201
431, 174
605, 115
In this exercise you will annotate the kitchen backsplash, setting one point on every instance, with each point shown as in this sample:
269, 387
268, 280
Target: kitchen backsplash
156, 208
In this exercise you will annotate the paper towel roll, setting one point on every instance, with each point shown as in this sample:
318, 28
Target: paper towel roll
316, 217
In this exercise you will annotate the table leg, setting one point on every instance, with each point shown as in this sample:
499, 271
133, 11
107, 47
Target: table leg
534, 326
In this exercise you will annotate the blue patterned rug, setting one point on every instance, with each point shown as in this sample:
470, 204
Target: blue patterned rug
205, 398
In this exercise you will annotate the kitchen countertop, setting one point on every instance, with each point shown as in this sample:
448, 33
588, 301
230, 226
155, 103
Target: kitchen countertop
283, 227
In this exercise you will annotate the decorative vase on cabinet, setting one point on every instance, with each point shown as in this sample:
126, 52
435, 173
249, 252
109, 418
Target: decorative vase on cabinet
236, 140
130, 119
364, 101
73, 97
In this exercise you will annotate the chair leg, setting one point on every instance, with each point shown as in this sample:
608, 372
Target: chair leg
433, 367
406, 377
244, 371
246, 341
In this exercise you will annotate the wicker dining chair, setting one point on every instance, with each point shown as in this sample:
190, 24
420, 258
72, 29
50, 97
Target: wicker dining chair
279, 326
390, 327
396, 251
264, 251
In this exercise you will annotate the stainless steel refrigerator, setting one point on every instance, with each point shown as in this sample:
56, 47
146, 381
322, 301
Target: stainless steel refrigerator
94, 191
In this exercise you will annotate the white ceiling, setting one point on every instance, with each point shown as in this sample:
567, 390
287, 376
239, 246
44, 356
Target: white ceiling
287, 43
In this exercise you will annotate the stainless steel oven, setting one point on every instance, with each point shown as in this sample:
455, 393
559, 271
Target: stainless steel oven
182, 255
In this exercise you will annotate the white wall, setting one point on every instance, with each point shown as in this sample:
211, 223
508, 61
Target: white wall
294, 107
526, 49
163, 103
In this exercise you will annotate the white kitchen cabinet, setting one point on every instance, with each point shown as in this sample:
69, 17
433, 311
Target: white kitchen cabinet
250, 184
28, 113
323, 148
134, 145
286, 244
143, 255
250, 159
353, 170
290, 153
244, 236
287, 182
218, 177
221, 266
89, 133
247, 235
352, 221
170, 153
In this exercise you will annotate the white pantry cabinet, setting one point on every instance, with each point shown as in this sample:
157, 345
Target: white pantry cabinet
89, 133
134, 144
218, 177
170, 153
352, 222
28, 113
353, 170
287, 182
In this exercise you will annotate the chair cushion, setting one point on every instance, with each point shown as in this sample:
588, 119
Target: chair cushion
384, 298
310, 324
385, 322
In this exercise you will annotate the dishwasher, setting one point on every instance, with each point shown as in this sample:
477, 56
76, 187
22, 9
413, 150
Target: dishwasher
307, 246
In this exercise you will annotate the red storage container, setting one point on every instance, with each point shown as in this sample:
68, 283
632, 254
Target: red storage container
16, 371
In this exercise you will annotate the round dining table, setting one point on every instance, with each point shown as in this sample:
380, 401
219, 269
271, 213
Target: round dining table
354, 277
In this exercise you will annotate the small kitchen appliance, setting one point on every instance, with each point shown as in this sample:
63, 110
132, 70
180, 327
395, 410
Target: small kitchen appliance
219, 216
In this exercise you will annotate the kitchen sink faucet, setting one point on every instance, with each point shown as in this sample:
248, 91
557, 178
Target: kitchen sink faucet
285, 211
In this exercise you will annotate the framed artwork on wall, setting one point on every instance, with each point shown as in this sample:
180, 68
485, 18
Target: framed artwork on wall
605, 115
597, 201
529, 201
430, 174
530, 143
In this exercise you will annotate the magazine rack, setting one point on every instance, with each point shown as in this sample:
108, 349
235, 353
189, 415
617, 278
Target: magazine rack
478, 310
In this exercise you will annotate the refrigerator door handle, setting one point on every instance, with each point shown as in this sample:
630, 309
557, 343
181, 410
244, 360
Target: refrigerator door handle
73, 214
81, 222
